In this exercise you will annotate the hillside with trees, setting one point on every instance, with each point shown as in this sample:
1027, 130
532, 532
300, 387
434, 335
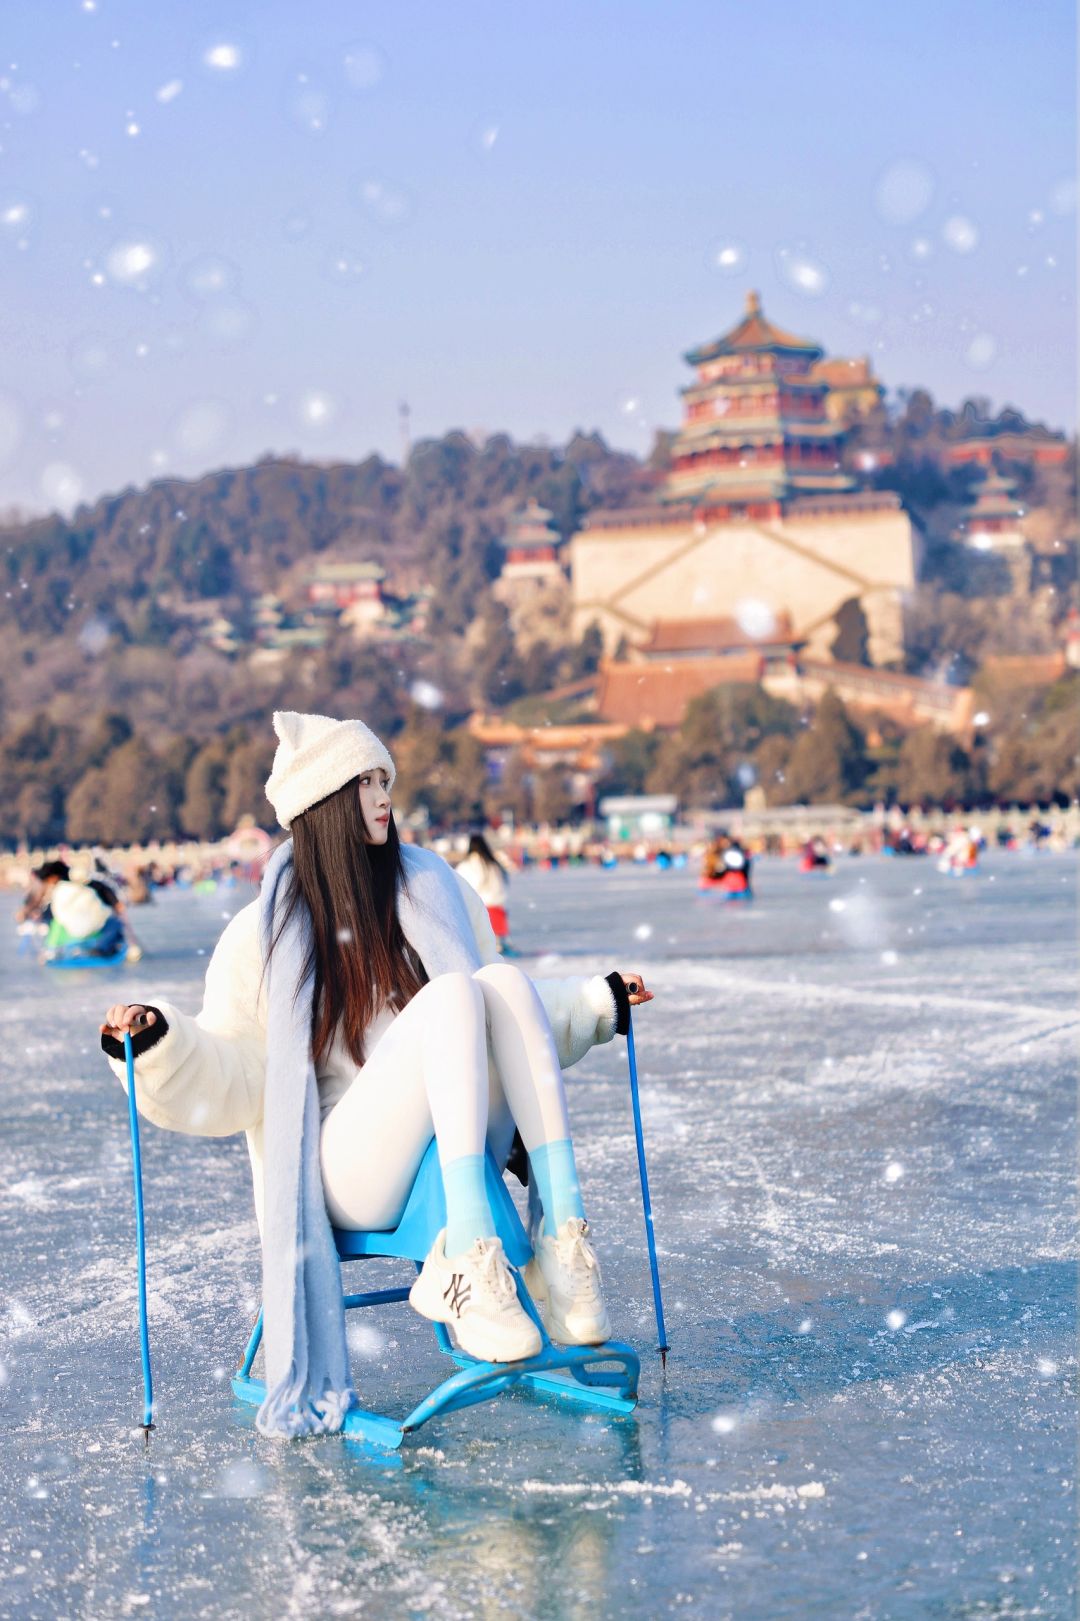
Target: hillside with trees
120, 719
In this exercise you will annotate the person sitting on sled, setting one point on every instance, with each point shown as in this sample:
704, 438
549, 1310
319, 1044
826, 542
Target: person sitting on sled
726, 866
713, 866
815, 855
482, 868
738, 867
961, 854
354, 1012
80, 917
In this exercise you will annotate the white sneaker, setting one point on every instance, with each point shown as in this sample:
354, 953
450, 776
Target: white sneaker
564, 1278
475, 1294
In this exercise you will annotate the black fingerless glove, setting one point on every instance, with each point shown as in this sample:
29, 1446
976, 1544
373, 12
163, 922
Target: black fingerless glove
141, 1042
622, 1003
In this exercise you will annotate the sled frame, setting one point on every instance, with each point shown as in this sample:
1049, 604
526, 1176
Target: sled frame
603, 1377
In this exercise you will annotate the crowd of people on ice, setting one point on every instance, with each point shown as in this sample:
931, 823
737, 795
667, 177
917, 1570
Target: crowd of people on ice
77, 907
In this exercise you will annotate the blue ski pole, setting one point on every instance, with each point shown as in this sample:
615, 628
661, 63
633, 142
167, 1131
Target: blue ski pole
645, 1199
140, 1239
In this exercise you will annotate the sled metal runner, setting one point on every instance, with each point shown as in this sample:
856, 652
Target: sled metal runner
599, 1376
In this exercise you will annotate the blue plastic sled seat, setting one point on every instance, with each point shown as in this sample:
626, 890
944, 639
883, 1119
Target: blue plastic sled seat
599, 1376
76, 956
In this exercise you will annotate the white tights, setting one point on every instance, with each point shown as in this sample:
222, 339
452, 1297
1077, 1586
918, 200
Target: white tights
470, 1057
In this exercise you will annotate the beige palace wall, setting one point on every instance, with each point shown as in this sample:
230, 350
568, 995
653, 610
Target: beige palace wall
627, 579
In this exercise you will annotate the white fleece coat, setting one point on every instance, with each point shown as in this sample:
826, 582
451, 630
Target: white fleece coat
207, 1074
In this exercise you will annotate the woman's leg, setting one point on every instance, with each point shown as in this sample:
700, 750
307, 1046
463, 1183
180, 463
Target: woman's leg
427, 1077
527, 1065
564, 1275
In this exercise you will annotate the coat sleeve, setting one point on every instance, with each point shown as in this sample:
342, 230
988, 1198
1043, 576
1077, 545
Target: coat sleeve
206, 1075
581, 1011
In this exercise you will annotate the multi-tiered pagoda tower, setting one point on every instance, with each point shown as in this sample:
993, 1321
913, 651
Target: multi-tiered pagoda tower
756, 430
755, 520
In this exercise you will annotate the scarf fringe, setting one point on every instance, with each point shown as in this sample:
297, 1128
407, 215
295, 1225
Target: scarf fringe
290, 1410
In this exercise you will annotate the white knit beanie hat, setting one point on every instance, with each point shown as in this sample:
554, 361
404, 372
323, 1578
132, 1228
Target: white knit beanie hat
316, 756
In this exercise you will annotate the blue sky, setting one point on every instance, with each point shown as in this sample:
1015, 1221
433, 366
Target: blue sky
228, 229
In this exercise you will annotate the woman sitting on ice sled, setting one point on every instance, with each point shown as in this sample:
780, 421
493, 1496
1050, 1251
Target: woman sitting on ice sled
352, 1013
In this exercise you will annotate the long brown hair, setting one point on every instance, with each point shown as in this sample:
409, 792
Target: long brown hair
360, 957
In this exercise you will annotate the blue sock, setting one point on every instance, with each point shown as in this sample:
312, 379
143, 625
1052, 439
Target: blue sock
468, 1213
557, 1183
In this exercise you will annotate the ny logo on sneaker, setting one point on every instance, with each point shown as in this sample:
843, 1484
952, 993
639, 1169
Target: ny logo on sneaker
457, 1293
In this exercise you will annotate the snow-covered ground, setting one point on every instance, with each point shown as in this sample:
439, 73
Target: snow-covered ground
859, 1107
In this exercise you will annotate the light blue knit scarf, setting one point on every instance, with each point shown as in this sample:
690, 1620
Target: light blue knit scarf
308, 1388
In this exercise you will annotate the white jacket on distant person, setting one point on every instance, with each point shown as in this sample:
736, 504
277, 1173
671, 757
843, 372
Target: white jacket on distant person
206, 1075
78, 909
489, 881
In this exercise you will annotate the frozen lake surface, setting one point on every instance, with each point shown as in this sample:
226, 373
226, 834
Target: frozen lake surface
859, 1108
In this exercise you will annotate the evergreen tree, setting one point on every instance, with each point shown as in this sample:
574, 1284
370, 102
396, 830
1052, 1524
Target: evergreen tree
111, 729
932, 769
513, 793
420, 755
38, 763
467, 778
851, 645
700, 763
34, 815
126, 801
497, 669
553, 800
539, 667
245, 778
1034, 758
828, 763
85, 809
770, 762
204, 792
630, 760
585, 657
